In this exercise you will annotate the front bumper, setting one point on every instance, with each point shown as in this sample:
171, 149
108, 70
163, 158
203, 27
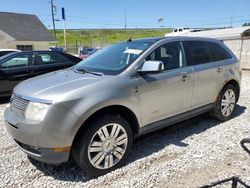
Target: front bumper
41, 140
46, 155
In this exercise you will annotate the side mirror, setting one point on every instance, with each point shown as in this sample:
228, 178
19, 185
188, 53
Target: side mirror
151, 67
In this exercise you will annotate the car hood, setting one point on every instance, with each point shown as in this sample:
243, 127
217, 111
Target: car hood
56, 85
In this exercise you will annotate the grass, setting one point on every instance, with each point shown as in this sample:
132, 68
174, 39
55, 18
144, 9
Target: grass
102, 37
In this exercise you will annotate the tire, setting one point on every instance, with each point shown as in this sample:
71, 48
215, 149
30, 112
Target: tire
104, 145
225, 104
243, 144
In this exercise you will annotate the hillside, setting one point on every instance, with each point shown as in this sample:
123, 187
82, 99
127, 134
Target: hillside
102, 37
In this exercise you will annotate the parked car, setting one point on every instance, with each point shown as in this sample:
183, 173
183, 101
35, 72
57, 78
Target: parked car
87, 52
94, 110
56, 49
182, 31
18, 66
7, 51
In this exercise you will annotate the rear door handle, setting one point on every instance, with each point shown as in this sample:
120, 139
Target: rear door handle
219, 69
185, 76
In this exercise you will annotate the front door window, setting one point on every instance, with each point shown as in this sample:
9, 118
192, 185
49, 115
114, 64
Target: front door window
171, 54
17, 61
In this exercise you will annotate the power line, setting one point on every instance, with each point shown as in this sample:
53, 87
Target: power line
154, 24
214, 19
225, 21
169, 21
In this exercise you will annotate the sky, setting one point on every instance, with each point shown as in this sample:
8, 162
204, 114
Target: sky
91, 14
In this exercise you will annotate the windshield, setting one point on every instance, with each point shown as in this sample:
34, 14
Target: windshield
114, 59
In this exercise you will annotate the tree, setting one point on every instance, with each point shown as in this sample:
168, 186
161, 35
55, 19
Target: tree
246, 24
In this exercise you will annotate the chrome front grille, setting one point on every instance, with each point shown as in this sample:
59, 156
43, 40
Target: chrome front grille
18, 106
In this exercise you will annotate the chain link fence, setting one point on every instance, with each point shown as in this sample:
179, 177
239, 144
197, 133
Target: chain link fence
75, 48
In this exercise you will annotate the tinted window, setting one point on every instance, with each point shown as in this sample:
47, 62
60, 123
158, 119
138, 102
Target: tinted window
171, 54
218, 52
65, 60
47, 58
198, 52
17, 61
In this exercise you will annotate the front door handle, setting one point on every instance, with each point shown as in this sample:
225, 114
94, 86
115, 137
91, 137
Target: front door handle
184, 78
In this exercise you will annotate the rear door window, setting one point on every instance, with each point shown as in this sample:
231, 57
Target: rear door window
197, 52
47, 58
218, 52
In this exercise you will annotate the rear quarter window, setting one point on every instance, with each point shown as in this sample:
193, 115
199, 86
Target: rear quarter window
218, 52
65, 60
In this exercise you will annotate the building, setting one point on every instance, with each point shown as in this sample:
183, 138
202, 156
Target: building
237, 39
23, 32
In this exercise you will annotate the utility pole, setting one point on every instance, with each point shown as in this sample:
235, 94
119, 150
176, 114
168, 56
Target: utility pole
231, 20
64, 29
125, 25
53, 18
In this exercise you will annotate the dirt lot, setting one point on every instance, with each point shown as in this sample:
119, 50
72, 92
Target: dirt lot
191, 154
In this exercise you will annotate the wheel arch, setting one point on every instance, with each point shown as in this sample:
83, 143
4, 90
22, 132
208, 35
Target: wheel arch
119, 110
236, 85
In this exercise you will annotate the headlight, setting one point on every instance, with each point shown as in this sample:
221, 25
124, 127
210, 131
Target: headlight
36, 111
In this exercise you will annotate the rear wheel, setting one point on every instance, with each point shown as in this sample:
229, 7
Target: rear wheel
225, 103
104, 146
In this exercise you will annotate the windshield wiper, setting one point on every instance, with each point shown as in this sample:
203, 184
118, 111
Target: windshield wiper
82, 70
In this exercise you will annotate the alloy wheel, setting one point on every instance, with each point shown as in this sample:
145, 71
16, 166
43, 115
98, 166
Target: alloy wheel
107, 146
228, 103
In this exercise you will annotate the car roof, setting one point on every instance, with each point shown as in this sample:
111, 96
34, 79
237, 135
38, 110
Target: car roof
24, 52
180, 38
40, 51
69, 56
190, 38
152, 39
45, 51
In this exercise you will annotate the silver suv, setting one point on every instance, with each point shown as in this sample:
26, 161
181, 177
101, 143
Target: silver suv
94, 110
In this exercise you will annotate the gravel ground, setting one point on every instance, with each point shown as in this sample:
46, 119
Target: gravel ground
190, 154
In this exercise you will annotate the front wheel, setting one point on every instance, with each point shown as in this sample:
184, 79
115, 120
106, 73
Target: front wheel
104, 146
225, 104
